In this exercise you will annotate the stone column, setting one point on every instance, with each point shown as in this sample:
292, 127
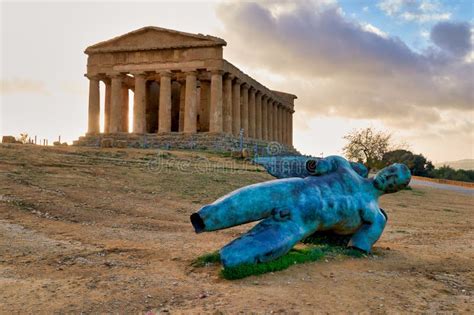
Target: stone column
280, 123
116, 104
287, 121
227, 110
203, 105
124, 127
244, 109
264, 117
94, 106
216, 110
290, 142
139, 104
258, 115
283, 124
107, 104
182, 103
190, 106
275, 121
164, 116
252, 119
270, 119
236, 107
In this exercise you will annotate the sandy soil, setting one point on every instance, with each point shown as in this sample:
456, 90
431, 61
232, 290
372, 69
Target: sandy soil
96, 231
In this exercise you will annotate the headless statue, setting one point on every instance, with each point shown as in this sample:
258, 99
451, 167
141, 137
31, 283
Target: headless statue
335, 198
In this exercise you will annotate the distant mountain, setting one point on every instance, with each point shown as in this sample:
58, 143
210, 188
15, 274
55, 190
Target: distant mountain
466, 164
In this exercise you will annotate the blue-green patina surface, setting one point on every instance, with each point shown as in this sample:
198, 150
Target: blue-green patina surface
335, 198
301, 166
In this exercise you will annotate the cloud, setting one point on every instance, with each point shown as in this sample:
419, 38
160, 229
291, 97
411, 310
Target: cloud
340, 67
452, 37
370, 28
22, 86
421, 11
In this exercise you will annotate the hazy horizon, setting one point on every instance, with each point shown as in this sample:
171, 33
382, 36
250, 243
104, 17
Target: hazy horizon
402, 66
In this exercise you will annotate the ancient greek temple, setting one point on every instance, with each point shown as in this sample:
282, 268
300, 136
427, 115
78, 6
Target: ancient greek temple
182, 88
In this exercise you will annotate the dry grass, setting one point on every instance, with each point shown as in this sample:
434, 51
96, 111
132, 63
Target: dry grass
96, 231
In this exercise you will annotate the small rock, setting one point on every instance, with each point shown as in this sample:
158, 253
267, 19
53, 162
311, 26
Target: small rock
108, 263
202, 295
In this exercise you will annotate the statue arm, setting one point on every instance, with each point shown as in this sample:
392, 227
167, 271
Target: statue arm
326, 165
330, 164
374, 224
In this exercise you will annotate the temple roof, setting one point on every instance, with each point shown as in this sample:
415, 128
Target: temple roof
285, 95
152, 38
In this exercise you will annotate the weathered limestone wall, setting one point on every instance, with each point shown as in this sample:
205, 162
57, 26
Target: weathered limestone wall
199, 141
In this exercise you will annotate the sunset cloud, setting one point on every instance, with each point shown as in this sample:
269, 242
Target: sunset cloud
342, 67
421, 11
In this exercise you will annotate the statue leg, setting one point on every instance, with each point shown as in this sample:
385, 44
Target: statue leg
248, 204
369, 232
271, 238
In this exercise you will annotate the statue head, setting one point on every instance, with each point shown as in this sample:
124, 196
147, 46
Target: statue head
392, 178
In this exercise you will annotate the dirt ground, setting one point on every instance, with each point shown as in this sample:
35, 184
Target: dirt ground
98, 231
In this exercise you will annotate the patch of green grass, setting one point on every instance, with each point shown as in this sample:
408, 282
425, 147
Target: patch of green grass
206, 259
293, 257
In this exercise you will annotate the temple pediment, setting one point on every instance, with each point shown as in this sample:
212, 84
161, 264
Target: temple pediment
152, 38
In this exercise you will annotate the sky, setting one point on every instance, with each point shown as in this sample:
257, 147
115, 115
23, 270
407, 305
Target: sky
405, 66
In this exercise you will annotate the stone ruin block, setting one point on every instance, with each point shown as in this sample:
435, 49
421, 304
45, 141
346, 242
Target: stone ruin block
121, 143
107, 143
9, 139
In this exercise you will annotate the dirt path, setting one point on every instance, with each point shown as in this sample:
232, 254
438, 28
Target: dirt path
84, 230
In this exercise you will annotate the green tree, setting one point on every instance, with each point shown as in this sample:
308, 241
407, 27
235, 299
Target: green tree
367, 146
417, 163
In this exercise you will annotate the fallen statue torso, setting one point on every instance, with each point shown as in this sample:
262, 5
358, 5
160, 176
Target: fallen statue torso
335, 199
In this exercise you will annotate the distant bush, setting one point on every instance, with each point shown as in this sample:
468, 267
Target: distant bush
420, 166
446, 172
417, 163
